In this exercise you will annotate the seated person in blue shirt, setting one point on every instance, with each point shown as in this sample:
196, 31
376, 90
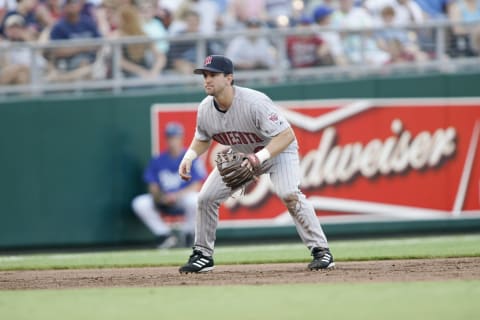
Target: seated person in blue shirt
168, 193
73, 26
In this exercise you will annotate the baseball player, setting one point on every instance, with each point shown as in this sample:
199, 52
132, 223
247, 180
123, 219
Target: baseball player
249, 122
168, 194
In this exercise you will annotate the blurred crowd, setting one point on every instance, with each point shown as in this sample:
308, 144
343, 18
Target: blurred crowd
45, 21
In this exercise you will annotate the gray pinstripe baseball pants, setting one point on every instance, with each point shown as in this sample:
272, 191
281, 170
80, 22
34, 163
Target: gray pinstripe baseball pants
285, 176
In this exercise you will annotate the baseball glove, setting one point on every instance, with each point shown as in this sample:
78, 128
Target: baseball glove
237, 168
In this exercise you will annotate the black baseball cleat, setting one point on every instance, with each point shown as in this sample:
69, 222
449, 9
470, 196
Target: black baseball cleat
322, 259
197, 263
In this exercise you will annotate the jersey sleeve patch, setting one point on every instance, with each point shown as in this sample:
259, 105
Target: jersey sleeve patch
273, 117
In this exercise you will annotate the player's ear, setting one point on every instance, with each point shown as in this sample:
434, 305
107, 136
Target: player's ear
230, 77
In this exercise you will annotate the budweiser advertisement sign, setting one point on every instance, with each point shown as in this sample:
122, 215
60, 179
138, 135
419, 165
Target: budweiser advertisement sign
364, 160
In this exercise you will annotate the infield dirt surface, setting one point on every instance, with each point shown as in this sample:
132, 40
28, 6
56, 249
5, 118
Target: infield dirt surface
251, 274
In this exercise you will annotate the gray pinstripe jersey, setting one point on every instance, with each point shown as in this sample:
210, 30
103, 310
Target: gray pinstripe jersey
249, 124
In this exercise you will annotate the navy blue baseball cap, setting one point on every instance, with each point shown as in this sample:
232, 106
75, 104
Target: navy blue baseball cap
216, 63
173, 129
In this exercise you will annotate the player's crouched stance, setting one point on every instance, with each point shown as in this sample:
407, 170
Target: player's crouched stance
266, 144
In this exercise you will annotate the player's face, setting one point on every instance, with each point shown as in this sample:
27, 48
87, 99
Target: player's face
215, 83
175, 144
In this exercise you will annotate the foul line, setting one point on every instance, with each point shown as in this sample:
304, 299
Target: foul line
467, 169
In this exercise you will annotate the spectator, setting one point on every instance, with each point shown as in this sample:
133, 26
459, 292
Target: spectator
33, 20
360, 49
54, 9
153, 27
463, 36
104, 14
15, 29
168, 193
138, 60
467, 11
251, 51
51, 12
183, 54
397, 42
304, 50
74, 62
434, 10
90, 7
331, 49
240, 11
430, 10
208, 13
105, 17
165, 17
406, 11
16, 61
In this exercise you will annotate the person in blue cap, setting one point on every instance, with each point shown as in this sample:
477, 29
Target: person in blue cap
168, 194
331, 50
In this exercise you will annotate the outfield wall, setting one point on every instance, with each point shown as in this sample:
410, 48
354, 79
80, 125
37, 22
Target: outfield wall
69, 167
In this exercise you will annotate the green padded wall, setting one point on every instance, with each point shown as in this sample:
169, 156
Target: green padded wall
69, 167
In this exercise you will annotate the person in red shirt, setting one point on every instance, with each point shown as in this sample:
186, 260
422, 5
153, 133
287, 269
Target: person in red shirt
304, 50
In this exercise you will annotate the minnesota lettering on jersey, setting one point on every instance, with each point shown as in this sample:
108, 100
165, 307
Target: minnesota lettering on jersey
231, 138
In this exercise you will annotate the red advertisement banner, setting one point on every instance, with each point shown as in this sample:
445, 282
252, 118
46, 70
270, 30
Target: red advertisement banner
365, 160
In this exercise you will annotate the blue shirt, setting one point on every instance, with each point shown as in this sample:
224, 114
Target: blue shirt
467, 15
434, 8
163, 170
83, 29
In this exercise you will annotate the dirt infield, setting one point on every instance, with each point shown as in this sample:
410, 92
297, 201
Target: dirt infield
368, 271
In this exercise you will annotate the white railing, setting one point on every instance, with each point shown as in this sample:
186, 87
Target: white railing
168, 80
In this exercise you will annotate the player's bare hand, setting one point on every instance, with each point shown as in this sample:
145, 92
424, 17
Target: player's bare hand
184, 169
252, 162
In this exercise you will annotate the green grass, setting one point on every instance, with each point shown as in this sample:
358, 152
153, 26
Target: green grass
420, 247
416, 300
445, 300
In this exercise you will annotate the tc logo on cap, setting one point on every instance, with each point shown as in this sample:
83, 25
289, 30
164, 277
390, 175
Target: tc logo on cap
208, 60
